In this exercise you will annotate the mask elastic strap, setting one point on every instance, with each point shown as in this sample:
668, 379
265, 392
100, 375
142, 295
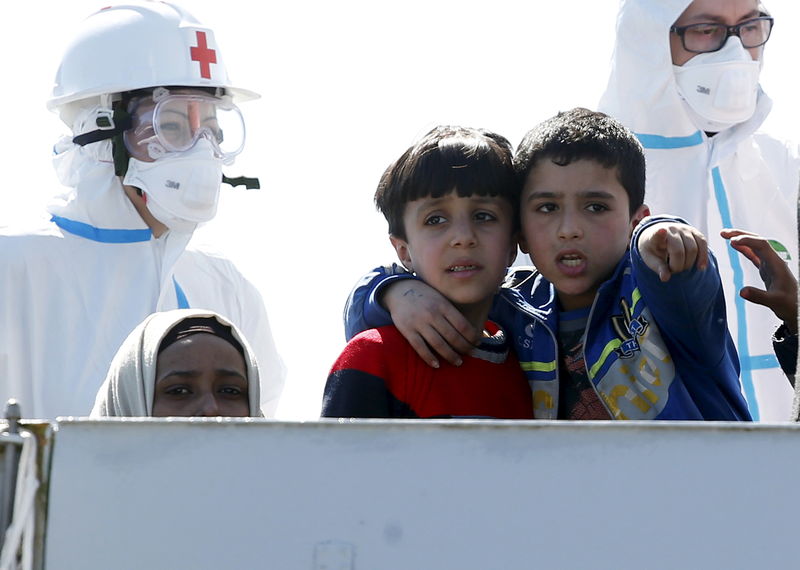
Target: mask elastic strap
248, 183
110, 126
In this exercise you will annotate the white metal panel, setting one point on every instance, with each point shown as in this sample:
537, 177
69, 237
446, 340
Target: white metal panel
424, 495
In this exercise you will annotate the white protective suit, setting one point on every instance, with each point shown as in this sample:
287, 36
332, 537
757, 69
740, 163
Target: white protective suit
738, 178
72, 289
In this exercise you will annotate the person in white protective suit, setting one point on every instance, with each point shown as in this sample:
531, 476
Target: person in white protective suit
685, 79
145, 90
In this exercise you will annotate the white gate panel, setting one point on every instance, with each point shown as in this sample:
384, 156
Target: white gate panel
374, 495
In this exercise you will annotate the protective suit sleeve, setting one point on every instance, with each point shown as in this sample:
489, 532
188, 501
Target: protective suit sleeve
362, 310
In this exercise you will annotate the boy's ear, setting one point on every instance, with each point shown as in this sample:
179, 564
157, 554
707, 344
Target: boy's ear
641, 213
403, 252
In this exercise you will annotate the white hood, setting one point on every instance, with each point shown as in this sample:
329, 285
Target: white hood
93, 193
641, 90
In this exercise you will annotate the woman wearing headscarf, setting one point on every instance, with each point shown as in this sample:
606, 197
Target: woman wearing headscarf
185, 362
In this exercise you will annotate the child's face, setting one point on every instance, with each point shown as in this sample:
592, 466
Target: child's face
576, 226
459, 246
201, 375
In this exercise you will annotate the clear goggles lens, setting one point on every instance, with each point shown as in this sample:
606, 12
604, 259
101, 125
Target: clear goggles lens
175, 122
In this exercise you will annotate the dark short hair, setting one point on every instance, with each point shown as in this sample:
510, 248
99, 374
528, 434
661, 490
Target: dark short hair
448, 158
583, 134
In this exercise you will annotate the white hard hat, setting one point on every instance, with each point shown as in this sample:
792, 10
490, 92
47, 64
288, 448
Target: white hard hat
137, 45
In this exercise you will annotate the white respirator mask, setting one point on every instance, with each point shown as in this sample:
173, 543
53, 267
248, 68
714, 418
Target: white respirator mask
182, 188
720, 88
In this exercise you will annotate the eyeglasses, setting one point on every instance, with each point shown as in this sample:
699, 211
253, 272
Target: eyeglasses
704, 38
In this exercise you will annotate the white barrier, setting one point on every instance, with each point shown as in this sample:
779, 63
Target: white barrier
374, 495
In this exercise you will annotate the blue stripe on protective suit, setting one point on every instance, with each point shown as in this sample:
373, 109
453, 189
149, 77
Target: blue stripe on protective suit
658, 141
102, 235
183, 302
749, 362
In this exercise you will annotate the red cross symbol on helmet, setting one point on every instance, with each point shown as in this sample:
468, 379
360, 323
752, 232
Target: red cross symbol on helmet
202, 54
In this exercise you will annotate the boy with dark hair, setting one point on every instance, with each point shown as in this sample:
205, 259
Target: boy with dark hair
451, 203
624, 316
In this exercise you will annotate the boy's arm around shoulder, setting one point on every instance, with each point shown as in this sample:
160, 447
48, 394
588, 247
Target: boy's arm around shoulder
362, 310
678, 279
428, 320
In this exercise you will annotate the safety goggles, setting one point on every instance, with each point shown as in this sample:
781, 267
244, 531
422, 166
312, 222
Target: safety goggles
167, 122
705, 38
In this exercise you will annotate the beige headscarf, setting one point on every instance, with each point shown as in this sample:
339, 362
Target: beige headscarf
129, 385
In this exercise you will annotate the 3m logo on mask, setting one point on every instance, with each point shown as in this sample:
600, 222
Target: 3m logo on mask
629, 330
703, 90
172, 184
